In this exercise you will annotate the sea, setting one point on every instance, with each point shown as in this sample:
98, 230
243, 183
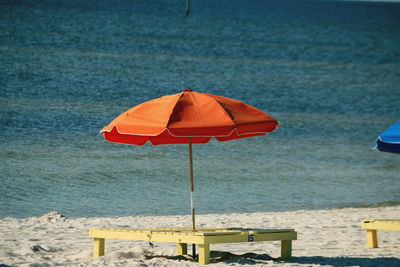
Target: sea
329, 71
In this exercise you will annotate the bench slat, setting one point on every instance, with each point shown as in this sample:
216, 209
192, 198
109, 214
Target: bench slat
391, 225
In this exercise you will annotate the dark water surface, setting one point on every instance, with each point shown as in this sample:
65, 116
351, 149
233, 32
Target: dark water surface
328, 71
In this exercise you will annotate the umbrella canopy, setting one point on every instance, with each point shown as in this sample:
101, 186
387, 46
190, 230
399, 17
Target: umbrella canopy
172, 119
389, 140
186, 118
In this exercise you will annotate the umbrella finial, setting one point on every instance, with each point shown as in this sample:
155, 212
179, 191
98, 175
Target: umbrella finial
188, 90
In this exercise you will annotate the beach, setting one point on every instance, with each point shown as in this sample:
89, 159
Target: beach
331, 237
328, 71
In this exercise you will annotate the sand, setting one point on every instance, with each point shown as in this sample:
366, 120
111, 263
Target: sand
325, 238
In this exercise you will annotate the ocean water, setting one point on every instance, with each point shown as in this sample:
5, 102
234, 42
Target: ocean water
329, 71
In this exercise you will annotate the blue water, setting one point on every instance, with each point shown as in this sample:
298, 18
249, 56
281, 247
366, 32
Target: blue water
328, 71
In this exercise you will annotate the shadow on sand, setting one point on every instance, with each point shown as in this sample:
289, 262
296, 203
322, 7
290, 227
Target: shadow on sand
348, 261
252, 258
221, 256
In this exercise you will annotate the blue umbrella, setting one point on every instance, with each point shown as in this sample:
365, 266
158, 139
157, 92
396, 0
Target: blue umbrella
389, 140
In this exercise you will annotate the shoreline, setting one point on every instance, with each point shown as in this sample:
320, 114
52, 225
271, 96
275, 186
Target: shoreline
360, 206
331, 237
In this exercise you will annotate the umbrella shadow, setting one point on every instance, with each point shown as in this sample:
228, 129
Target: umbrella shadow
347, 261
252, 258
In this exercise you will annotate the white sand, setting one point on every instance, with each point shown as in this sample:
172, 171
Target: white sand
325, 238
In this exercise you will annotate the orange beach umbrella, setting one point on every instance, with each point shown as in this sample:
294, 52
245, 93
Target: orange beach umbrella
186, 118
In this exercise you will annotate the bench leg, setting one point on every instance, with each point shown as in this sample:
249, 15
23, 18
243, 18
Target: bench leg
98, 249
286, 250
204, 254
372, 238
181, 248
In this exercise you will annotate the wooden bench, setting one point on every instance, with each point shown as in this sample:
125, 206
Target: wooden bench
373, 225
203, 237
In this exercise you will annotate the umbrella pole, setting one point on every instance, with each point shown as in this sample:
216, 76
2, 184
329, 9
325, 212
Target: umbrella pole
191, 193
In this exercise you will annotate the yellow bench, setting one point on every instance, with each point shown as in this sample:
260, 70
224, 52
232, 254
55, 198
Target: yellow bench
203, 237
373, 225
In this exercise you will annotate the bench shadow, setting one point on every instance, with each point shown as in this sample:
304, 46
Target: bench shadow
222, 256
252, 258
